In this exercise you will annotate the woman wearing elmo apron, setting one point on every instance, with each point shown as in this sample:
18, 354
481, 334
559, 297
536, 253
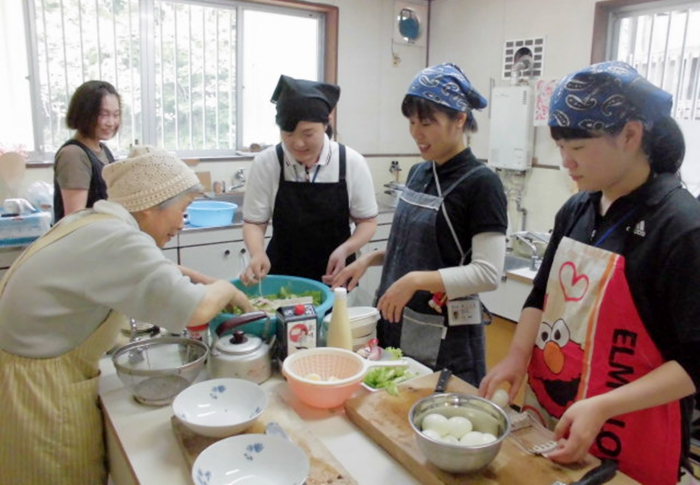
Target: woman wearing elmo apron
610, 332
447, 240
310, 187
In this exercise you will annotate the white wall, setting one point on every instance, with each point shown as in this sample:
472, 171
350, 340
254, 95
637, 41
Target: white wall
472, 33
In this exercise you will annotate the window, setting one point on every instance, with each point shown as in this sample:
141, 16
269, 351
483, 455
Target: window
662, 41
195, 76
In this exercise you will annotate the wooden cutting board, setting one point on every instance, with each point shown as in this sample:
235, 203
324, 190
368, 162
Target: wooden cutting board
384, 418
325, 468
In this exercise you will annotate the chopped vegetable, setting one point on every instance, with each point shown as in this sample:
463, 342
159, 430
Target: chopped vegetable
270, 302
388, 377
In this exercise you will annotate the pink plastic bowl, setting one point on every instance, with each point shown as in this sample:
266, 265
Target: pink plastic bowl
341, 372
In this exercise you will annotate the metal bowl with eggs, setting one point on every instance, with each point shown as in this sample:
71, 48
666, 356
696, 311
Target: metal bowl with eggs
458, 433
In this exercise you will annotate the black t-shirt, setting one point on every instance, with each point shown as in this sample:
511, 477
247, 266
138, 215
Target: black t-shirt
476, 205
661, 245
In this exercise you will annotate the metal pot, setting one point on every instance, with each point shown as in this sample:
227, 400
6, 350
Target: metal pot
243, 355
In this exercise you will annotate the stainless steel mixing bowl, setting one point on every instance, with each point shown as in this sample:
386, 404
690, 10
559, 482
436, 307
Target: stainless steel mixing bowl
460, 458
157, 369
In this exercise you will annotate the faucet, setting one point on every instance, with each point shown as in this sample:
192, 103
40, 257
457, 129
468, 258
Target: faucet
534, 258
240, 175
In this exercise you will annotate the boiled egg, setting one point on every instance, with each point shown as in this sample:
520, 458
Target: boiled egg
472, 438
500, 398
488, 438
436, 422
432, 434
312, 376
449, 439
459, 426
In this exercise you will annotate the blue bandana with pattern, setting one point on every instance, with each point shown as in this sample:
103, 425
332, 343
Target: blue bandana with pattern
447, 85
605, 95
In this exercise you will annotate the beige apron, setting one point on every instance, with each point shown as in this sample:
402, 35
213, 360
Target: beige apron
52, 430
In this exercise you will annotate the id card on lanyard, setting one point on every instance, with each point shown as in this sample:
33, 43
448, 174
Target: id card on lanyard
465, 310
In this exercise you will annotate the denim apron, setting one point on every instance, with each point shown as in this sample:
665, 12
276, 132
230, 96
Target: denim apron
422, 333
310, 220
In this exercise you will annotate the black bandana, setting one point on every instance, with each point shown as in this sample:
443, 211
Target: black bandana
301, 100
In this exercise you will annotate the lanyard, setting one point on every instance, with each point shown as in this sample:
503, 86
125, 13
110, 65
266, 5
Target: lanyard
313, 179
613, 227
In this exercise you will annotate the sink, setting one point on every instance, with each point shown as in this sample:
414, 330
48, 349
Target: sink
234, 197
515, 262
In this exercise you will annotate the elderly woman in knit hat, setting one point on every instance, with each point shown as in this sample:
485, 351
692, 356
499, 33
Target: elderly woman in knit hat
65, 299
610, 332
447, 240
310, 187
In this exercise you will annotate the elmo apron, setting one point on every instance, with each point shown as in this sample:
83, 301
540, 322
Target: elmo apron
592, 340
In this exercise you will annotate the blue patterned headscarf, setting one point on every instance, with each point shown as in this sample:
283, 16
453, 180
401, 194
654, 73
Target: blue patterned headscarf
447, 85
605, 95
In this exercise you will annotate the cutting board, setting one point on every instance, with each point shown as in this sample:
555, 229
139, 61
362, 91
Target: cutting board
384, 418
325, 468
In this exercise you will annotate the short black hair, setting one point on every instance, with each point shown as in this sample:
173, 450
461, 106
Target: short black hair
425, 109
663, 144
85, 105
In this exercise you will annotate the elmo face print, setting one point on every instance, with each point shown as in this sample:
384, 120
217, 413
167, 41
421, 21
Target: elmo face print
555, 367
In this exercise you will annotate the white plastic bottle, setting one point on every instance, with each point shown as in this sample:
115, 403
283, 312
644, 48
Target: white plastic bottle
339, 333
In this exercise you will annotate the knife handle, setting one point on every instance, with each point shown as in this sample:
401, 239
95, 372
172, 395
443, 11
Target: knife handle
445, 375
600, 474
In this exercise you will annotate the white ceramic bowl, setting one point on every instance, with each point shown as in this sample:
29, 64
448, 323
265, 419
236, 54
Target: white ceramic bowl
363, 321
220, 407
251, 459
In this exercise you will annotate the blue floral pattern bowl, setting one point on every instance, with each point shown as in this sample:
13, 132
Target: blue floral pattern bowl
251, 459
218, 408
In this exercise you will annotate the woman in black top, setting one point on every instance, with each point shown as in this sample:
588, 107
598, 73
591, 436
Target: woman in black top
447, 240
610, 332
95, 113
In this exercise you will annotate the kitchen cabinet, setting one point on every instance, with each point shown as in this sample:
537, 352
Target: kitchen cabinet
508, 299
222, 260
7, 256
218, 252
364, 294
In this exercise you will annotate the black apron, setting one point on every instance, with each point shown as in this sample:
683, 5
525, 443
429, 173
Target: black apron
98, 188
424, 334
309, 221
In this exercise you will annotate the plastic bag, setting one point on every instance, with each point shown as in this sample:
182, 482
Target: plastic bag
40, 194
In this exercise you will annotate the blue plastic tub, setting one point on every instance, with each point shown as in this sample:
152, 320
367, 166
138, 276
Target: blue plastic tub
211, 213
272, 285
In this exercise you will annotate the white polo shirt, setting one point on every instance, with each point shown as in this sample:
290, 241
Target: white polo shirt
263, 181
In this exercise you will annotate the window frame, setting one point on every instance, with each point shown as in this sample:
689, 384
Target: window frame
329, 71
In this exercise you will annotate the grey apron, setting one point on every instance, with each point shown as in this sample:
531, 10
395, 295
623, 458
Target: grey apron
424, 334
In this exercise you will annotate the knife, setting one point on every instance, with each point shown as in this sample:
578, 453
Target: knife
596, 476
445, 375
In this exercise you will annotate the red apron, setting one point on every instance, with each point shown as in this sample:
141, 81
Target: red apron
592, 340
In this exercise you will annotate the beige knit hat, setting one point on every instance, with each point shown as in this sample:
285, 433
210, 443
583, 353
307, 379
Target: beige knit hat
148, 177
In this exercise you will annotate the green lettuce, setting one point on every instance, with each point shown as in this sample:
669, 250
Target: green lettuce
388, 377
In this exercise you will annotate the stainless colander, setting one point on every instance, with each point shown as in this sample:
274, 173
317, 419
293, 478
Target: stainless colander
157, 369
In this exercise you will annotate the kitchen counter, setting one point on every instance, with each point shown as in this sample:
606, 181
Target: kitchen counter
143, 448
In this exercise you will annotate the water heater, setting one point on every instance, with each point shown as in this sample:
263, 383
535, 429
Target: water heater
511, 138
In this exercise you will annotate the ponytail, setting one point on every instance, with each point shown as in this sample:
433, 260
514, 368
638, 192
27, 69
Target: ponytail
664, 146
